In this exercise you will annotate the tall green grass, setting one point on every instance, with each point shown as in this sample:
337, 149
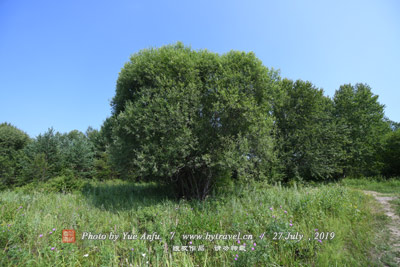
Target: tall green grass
28, 218
383, 248
378, 184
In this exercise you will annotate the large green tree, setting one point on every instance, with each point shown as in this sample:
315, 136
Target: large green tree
12, 142
309, 138
192, 117
359, 111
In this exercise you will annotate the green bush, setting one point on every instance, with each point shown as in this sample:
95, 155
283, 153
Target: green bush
66, 182
224, 184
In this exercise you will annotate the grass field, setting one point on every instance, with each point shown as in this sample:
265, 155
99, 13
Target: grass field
374, 184
340, 225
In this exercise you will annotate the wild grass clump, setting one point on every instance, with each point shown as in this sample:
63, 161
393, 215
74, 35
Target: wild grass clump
31, 225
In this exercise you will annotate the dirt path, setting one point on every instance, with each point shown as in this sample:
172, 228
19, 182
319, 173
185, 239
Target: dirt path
394, 225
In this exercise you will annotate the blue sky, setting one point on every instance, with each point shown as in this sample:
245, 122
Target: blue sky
59, 60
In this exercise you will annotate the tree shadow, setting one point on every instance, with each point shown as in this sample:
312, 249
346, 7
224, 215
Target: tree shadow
127, 196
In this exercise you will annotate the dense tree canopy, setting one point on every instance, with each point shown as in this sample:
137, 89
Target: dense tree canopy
43, 158
359, 111
309, 138
102, 166
193, 116
391, 154
77, 153
12, 141
52, 153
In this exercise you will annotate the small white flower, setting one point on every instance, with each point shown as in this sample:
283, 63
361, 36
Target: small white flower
86, 255
144, 254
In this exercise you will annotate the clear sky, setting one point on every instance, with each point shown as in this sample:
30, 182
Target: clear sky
59, 60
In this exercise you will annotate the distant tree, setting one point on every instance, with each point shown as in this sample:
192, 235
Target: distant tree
97, 139
391, 154
12, 142
77, 153
359, 111
35, 168
192, 117
309, 139
102, 166
42, 158
52, 153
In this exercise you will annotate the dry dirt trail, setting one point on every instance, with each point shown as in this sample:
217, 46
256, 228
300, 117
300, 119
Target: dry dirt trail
394, 225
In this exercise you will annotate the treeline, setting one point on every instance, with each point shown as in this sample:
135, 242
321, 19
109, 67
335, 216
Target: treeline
199, 120
52, 155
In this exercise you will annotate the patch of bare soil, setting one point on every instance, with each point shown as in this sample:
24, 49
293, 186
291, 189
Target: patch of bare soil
394, 225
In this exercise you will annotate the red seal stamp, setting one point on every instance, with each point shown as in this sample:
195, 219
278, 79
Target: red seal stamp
68, 236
